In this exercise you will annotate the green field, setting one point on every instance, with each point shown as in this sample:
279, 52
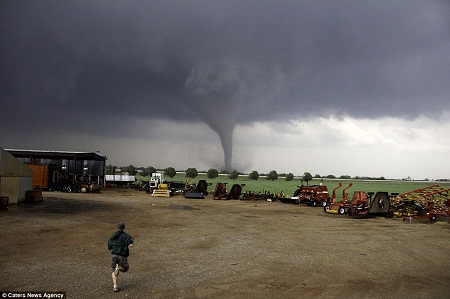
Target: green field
288, 187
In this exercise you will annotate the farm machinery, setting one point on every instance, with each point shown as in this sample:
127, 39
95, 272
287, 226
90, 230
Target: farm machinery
220, 192
310, 195
367, 205
334, 207
263, 196
161, 191
159, 188
198, 191
427, 202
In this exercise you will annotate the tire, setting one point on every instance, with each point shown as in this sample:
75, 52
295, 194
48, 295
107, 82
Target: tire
326, 208
341, 211
323, 203
69, 189
433, 218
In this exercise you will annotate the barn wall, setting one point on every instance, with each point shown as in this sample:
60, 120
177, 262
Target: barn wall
9, 187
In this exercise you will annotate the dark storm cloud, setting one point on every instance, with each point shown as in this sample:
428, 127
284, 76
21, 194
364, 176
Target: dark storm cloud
223, 62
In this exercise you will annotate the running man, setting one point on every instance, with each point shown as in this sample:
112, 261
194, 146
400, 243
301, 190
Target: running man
119, 243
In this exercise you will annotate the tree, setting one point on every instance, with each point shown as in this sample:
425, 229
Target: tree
254, 175
170, 172
148, 171
110, 169
289, 177
273, 175
191, 173
212, 173
307, 177
233, 175
130, 169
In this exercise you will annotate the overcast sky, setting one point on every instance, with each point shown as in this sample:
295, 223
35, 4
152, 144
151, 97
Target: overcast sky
358, 88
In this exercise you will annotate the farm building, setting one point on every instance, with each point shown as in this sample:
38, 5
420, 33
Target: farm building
61, 169
15, 179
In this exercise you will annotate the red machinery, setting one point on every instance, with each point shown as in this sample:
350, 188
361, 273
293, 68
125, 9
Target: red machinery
311, 195
427, 202
364, 205
338, 207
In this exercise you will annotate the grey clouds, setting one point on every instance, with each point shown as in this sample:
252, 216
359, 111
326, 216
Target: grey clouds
221, 62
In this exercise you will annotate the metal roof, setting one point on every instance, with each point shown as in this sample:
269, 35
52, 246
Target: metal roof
48, 154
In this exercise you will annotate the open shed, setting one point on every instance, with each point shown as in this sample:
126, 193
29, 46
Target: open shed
15, 178
70, 166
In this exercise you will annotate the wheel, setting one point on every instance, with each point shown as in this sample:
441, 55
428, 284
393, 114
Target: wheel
69, 189
341, 211
323, 203
433, 218
326, 208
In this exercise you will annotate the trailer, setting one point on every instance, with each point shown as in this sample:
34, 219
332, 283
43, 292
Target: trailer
119, 180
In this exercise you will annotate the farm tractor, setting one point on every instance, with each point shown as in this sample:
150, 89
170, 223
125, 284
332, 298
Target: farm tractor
311, 195
367, 205
335, 207
427, 202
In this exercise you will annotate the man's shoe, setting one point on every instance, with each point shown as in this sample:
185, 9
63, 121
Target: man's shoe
116, 270
115, 288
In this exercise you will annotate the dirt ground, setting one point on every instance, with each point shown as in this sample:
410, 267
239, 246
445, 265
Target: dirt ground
201, 248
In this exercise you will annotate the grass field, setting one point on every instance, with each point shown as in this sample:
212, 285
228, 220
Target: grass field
288, 187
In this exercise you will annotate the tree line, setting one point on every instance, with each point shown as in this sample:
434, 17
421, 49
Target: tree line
211, 173
214, 173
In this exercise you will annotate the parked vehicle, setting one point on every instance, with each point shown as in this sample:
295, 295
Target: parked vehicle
368, 206
311, 195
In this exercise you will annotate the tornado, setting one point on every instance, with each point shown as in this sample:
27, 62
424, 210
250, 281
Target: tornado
214, 89
225, 132
219, 91
226, 138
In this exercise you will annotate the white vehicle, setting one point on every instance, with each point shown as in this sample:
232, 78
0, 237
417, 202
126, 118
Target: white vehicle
156, 179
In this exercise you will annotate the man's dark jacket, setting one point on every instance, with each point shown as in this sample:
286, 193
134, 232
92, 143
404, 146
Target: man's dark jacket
118, 243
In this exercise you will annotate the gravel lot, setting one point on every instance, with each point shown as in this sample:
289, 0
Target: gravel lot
201, 248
